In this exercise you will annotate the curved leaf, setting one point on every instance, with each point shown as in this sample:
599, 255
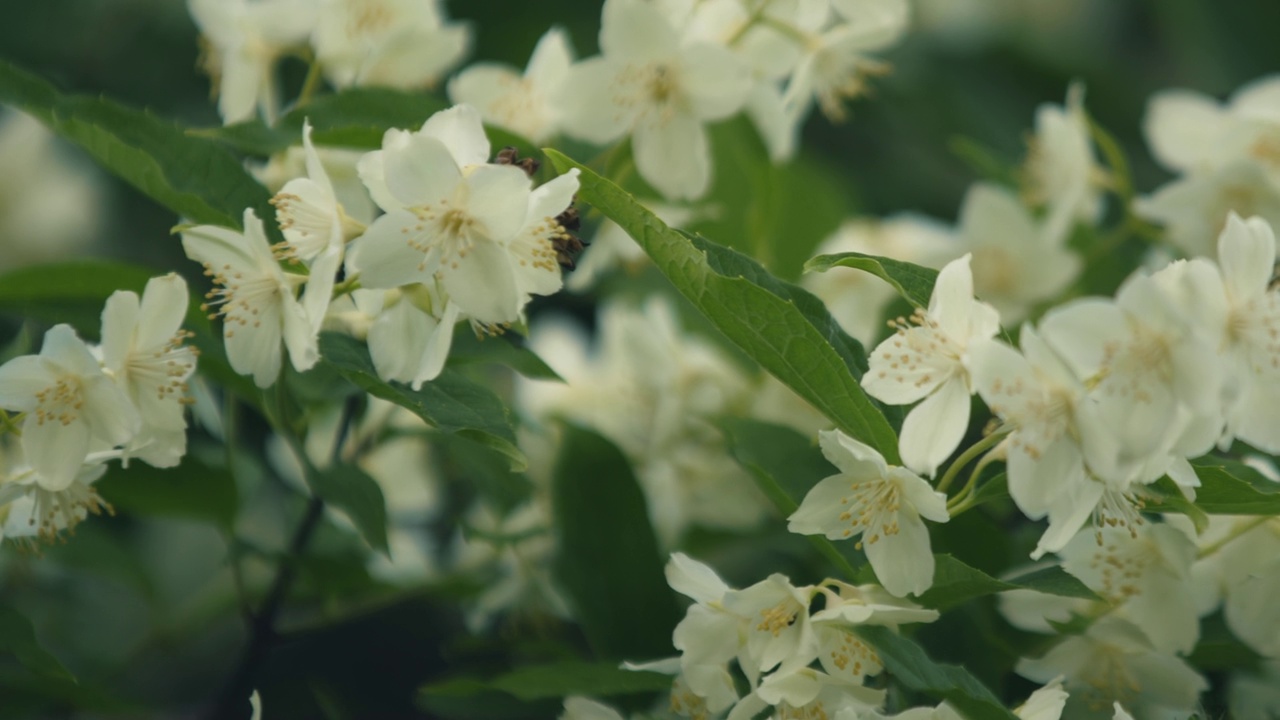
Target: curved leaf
784, 328
351, 490
913, 282
194, 177
19, 639
451, 402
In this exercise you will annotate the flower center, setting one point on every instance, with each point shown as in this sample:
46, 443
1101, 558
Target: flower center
61, 402
873, 510
774, 620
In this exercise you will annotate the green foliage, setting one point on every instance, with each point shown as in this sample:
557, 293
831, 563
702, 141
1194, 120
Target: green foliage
351, 490
913, 282
17, 638
194, 177
561, 679
909, 665
451, 403
780, 326
1233, 488
608, 561
468, 348
192, 490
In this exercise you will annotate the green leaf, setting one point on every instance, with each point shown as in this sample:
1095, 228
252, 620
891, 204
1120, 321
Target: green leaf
913, 282
451, 402
955, 582
557, 680
609, 563
191, 490
1170, 496
784, 328
356, 117
909, 665
1233, 488
18, 639
785, 466
351, 490
468, 349
1053, 580
195, 177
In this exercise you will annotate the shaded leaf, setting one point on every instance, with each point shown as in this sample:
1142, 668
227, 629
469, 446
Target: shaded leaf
195, 177
191, 490
784, 328
913, 282
18, 639
955, 582
467, 349
451, 403
609, 563
351, 490
909, 665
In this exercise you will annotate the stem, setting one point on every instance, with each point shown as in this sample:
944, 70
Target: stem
311, 83
1235, 533
974, 451
968, 492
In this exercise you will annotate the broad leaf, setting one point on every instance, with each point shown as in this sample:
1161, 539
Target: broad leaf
351, 490
780, 326
785, 466
557, 680
1233, 488
913, 282
191, 490
451, 403
467, 348
18, 639
909, 665
197, 178
609, 563
955, 582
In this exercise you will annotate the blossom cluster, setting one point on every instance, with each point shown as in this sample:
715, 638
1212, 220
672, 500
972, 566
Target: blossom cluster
79, 406
459, 238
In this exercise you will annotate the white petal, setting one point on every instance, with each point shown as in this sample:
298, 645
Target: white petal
461, 130
21, 378
1247, 255
633, 30
300, 335
671, 154
715, 81
694, 579
437, 349
589, 101
107, 411
904, 561
1182, 128
935, 427
499, 197
423, 172
483, 284
119, 319
383, 257
55, 451
850, 455
255, 349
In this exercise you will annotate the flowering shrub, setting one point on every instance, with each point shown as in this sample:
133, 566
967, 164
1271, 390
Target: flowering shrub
468, 412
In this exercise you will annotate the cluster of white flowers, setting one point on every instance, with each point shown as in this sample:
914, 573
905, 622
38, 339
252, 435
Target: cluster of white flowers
1227, 157
394, 43
80, 406
459, 238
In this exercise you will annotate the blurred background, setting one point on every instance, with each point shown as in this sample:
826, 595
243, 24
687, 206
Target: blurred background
141, 609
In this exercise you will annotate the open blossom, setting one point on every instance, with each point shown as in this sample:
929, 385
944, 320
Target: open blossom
255, 299
1061, 171
70, 404
143, 350
882, 505
410, 333
524, 103
316, 228
452, 217
928, 360
396, 43
31, 507
660, 90
244, 39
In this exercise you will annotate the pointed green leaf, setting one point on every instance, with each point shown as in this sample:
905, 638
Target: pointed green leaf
955, 582
609, 563
18, 638
197, 178
574, 677
913, 282
784, 328
1228, 487
451, 403
501, 350
351, 490
909, 665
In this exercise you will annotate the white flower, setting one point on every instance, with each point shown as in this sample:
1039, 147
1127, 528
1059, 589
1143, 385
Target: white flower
836, 65
397, 43
255, 299
449, 216
1057, 433
857, 300
581, 708
523, 104
929, 361
537, 264
69, 404
803, 692
143, 350
1044, 704
316, 228
1148, 368
411, 332
1114, 662
881, 504
841, 652
1061, 171
1017, 260
1195, 207
647, 83
30, 506
245, 39
1145, 571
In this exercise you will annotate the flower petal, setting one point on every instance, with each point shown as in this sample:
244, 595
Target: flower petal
934, 428
671, 154
461, 130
